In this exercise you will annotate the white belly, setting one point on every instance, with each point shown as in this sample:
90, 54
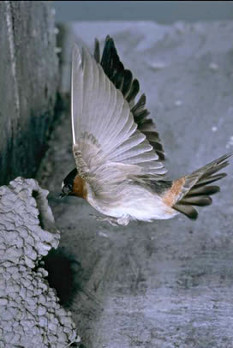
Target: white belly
136, 203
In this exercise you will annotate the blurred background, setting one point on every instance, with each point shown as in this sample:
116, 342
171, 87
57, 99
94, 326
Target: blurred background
163, 12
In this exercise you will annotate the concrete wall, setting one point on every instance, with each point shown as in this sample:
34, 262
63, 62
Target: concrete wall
28, 85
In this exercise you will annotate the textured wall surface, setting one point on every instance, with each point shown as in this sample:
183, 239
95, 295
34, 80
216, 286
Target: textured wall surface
28, 84
30, 314
164, 284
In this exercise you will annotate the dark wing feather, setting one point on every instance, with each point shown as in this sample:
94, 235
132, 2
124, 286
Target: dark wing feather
123, 80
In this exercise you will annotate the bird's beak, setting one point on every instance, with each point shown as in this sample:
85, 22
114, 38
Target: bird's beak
62, 195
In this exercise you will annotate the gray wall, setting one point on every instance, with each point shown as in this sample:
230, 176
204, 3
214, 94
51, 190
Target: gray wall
28, 84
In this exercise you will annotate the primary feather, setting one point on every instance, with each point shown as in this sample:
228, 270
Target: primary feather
129, 86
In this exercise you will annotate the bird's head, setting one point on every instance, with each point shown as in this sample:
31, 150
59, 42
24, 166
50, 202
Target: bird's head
67, 187
74, 185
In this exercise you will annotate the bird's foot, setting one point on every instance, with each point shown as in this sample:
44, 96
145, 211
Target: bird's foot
112, 220
123, 221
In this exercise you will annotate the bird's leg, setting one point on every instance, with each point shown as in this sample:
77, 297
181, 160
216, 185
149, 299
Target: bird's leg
112, 220
124, 220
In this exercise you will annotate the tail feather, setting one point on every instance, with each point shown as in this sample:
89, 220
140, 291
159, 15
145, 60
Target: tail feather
197, 200
187, 210
203, 190
194, 190
210, 180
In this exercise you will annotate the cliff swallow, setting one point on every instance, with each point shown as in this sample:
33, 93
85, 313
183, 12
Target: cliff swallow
117, 150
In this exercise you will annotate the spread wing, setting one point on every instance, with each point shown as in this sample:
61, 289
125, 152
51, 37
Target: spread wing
107, 146
123, 80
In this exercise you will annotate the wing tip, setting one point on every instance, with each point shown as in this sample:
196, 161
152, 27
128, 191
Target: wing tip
80, 54
75, 50
77, 59
97, 50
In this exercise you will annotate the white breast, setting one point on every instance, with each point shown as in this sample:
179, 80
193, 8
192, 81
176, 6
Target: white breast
135, 202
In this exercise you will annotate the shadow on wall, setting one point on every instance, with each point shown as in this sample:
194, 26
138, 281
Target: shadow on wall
64, 275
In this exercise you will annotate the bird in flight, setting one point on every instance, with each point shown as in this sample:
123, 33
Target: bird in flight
117, 149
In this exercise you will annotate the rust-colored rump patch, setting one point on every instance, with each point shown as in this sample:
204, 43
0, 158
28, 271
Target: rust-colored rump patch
171, 195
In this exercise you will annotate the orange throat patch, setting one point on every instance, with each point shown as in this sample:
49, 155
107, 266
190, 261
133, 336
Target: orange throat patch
172, 194
79, 187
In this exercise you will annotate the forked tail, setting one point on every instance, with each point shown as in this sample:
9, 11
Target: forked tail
195, 189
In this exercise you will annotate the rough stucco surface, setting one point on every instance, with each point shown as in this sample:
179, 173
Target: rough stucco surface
28, 85
167, 283
30, 314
